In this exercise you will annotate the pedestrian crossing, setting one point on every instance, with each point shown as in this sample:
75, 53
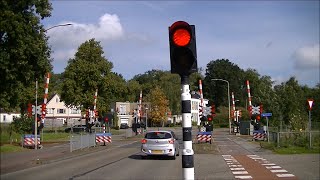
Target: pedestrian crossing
239, 171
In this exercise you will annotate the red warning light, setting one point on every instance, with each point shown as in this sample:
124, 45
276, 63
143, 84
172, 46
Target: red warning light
181, 37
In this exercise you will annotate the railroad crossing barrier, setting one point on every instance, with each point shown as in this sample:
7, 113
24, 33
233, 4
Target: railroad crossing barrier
204, 137
29, 141
103, 138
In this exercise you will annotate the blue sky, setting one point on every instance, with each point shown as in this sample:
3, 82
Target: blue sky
277, 38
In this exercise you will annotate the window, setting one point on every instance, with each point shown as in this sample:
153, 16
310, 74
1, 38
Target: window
123, 109
57, 100
61, 111
50, 110
75, 111
4, 117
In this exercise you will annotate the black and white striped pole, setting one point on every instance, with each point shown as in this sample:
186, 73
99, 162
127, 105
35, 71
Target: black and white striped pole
183, 59
187, 151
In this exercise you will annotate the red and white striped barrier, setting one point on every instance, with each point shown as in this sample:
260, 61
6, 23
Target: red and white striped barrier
204, 137
28, 140
103, 138
259, 136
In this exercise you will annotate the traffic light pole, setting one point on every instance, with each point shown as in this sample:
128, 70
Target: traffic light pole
187, 152
35, 119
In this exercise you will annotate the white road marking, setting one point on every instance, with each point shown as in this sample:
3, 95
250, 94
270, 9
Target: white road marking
235, 165
270, 164
278, 170
234, 169
243, 177
273, 167
285, 175
240, 172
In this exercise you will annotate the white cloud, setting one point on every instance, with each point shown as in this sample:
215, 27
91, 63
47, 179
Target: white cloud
307, 57
108, 28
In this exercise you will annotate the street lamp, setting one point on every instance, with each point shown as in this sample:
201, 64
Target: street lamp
228, 99
146, 118
68, 24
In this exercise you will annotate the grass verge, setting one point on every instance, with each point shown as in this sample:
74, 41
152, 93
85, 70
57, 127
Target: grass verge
11, 148
289, 149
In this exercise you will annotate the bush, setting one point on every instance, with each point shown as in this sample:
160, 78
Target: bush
22, 125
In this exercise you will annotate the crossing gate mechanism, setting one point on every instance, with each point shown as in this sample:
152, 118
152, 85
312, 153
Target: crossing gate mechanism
103, 138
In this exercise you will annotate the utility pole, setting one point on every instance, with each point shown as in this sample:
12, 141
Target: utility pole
35, 119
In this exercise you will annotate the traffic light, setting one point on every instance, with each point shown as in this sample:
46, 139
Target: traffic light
106, 119
29, 110
258, 117
44, 109
96, 114
213, 110
87, 113
209, 118
183, 53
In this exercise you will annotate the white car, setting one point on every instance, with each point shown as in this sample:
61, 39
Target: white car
160, 143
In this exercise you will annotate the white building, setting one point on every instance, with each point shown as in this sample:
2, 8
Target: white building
195, 107
59, 114
8, 117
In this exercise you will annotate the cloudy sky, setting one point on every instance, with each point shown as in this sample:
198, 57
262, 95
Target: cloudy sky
278, 39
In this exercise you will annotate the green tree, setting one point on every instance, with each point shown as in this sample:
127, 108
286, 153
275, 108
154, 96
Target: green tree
87, 71
159, 106
24, 53
216, 91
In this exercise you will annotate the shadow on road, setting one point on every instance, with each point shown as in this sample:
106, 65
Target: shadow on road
144, 157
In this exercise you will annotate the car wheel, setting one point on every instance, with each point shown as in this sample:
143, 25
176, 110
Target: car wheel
173, 157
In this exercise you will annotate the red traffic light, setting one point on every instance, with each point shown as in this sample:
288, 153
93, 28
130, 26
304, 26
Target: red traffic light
180, 33
258, 117
209, 118
106, 119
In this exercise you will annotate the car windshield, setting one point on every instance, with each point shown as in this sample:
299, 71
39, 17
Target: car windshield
158, 135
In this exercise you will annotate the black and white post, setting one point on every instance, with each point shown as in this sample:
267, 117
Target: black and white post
187, 151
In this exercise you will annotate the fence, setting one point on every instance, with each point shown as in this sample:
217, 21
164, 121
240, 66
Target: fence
300, 138
82, 140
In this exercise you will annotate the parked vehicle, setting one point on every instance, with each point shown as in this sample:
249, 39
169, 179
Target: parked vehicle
76, 128
162, 143
124, 126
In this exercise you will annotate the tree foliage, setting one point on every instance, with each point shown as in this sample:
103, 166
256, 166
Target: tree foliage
159, 105
87, 71
24, 53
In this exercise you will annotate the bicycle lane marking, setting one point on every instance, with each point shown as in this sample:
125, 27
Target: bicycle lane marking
236, 168
260, 168
280, 172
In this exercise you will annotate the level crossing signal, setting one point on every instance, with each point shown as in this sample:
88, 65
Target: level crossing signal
183, 53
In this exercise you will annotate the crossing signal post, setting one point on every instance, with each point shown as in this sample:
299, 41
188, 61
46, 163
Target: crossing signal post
183, 60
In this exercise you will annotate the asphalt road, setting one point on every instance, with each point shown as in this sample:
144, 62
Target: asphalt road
122, 160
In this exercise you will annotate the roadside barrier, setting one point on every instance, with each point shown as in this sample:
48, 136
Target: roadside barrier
29, 141
204, 137
259, 135
103, 138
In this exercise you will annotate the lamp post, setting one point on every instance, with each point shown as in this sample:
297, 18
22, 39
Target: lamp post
228, 99
146, 118
59, 25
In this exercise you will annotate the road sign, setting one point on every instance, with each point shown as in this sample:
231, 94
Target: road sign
255, 109
266, 114
310, 102
207, 111
38, 109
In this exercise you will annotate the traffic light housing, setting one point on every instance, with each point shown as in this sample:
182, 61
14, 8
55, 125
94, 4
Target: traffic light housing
213, 110
210, 118
96, 114
29, 110
183, 53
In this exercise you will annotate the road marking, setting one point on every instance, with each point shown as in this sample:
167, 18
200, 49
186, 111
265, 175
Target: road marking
285, 175
273, 167
235, 166
279, 170
243, 177
233, 169
240, 172
270, 164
